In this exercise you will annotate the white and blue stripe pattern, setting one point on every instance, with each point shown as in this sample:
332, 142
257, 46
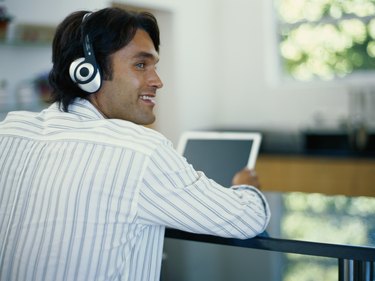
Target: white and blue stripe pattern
85, 198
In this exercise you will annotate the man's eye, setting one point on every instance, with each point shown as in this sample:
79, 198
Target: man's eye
140, 65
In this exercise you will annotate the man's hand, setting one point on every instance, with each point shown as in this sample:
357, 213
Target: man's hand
246, 176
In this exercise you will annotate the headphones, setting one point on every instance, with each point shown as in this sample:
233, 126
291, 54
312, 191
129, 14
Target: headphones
84, 71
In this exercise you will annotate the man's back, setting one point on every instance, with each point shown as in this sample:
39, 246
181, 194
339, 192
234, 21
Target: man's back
68, 186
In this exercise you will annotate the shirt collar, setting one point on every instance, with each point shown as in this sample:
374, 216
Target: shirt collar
84, 109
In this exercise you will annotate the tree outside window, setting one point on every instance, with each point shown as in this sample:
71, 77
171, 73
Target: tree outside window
326, 39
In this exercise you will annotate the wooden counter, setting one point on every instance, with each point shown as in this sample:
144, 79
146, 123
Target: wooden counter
347, 176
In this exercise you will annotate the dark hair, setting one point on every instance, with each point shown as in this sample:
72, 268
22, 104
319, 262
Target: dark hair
109, 30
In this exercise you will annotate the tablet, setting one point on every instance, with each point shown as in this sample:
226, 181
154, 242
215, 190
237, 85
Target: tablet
220, 154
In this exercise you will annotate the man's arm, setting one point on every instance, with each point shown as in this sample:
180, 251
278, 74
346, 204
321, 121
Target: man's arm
175, 195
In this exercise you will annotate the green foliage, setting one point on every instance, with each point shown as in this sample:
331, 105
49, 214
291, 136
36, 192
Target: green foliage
326, 39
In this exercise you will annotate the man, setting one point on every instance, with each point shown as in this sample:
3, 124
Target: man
85, 191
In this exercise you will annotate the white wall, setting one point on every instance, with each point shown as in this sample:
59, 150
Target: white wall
250, 93
48, 12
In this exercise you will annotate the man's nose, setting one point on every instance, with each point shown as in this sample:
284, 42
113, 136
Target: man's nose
155, 80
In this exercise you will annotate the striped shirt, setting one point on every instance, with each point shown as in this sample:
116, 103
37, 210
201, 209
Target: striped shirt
88, 198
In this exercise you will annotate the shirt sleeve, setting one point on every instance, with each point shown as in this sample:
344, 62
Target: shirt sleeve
173, 194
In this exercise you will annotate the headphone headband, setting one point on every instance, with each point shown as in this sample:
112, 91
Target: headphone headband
88, 50
86, 16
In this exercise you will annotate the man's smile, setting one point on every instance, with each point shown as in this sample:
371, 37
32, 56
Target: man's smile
148, 99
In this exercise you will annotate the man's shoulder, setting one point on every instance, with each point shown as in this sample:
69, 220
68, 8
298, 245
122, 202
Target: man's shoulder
54, 125
122, 128
120, 133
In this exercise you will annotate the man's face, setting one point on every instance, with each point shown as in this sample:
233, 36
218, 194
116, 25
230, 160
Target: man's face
130, 94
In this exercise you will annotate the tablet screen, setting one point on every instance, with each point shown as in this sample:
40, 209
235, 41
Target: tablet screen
220, 155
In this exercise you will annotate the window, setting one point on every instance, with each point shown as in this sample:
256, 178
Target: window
326, 39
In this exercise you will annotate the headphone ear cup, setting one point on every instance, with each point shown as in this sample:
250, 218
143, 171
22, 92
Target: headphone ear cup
85, 75
73, 68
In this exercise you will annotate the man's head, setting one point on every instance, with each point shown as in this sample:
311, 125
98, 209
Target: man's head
118, 38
